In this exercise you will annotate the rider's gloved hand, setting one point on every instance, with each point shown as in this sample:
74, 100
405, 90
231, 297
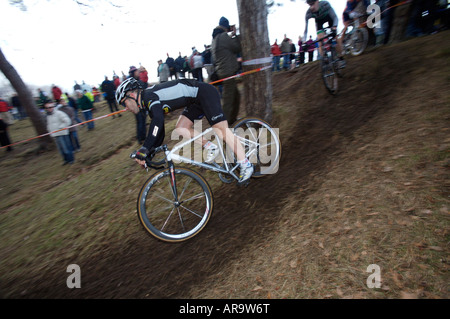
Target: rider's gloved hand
143, 153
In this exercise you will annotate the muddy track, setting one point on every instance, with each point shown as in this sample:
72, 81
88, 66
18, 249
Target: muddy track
147, 268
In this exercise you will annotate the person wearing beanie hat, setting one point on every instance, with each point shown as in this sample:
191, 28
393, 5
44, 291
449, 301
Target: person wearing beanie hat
132, 71
223, 22
141, 117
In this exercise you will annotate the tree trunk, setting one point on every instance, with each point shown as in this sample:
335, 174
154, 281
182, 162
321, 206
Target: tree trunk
400, 20
26, 99
257, 95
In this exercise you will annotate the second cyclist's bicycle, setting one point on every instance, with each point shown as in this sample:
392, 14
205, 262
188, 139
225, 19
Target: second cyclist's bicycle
356, 37
329, 64
176, 203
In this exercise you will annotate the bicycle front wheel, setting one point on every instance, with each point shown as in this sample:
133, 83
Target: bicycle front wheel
175, 207
261, 143
336, 62
329, 76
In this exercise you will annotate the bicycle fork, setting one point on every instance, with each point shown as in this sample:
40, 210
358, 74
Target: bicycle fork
173, 180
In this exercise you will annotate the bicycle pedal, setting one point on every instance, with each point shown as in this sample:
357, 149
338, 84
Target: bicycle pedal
243, 184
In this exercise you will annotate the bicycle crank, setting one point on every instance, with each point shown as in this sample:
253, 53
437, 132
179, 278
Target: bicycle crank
227, 179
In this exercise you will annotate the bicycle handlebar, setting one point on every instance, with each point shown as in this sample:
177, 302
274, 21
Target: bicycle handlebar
328, 36
148, 160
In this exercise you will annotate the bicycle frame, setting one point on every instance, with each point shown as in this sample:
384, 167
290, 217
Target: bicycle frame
251, 142
329, 60
172, 156
327, 43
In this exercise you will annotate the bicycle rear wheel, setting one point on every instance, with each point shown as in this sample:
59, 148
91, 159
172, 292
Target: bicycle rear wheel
329, 75
261, 143
175, 211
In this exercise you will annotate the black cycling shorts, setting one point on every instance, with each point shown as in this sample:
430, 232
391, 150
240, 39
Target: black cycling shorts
206, 104
321, 22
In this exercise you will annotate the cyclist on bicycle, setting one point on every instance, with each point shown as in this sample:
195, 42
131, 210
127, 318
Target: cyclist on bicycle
351, 12
322, 12
198, 100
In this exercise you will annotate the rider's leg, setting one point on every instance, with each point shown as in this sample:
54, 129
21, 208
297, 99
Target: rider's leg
340, 40
230, 139
185, 128
246, 168
339, 48
320, 35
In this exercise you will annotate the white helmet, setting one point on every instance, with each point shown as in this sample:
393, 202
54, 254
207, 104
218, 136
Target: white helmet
129, 84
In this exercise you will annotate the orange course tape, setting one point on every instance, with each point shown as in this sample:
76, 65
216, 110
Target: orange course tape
66, 128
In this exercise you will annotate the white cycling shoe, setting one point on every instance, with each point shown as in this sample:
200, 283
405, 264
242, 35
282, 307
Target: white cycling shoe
246, 172
212, 151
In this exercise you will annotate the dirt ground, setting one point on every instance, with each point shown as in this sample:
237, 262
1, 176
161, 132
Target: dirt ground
363, 180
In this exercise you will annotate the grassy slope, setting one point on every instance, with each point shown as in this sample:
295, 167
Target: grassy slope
381, 198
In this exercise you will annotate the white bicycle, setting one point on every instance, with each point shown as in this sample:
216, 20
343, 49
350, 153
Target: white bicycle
176, 203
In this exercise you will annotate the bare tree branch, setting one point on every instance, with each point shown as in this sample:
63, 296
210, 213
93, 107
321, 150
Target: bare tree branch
18, 3
83, 4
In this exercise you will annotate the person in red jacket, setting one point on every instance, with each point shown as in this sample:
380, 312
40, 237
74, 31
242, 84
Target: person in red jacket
116, 81
143, 75
5, 114
4, 106
56, 91
276, 53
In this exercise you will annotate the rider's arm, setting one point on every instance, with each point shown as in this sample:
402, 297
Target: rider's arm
233, 43
156, 131
307, 17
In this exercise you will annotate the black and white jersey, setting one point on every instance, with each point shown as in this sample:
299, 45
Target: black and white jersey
197, 98
171, 95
